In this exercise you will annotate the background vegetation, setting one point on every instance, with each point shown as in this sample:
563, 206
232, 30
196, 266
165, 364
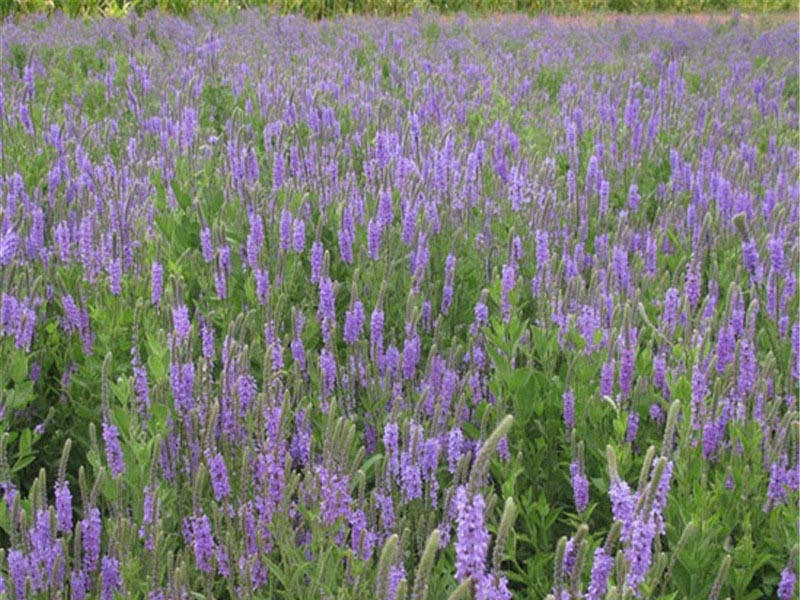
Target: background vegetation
328, 8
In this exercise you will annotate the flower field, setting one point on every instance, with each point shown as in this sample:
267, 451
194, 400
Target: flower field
403, 309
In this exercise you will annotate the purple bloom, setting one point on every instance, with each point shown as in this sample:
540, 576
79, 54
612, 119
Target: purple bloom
327, 309
671, 306
115, 276
726, 347
78, 583
627, 364
63, 507
712, 436
385, 209
390, 443
633, 198
693, 283
219, 477
492, 587
455, 444
542, 250
777, 262
607, 378
447, 289
156, 282
262, 285
639, 551
632, 427
255, 239
300, 448
472, 538
346, 235
207, 339
202, 543
286, 230
481, 314
8, 247
278, 171
580, 486
335, 499
298, 353
410, 476
411, 354
621, 268
180, 322
111, 578
508, 281
605, 190
298, 235
569, 409
601, 569
787, 584
699, 392
376, 334
113, 449
206, 245
182, 384
18, 570
623, 503
354, 322
91, 527
374, 232
748, 368
396, 574
327, 365
776, 490
317, 256
752, 262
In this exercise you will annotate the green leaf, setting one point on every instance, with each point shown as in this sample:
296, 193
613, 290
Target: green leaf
519, 379
157, 367
370, 461
21, 395
22, 462
19, 367
5, 521
25, 439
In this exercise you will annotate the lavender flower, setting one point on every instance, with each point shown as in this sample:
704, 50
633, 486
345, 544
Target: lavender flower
180, 322
787, 583
206, 245
286, 230
354, 322
202, 543
335, 499
601, 569
91, 527
508, 282
607, 378
580, 486
156, 282
63, 507
219, 477
472, 538
326, 308
492, 587
111, 578
752, 262
113, 449
298, 235
569, 409
18, 570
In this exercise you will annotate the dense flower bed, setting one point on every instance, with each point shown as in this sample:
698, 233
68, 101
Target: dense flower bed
398, 309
